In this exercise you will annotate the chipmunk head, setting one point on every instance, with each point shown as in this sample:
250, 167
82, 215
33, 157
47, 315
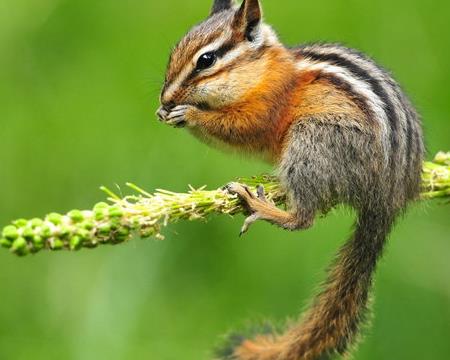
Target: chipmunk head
219, 59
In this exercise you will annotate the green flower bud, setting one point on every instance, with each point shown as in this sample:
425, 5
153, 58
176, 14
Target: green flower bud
123, 231
4, 242
64, 231
136, 223
88, 225
46, 231
114, 224
76, 216
147, 232
20, 223
10, 232
90, 244
104, 230
56, 244
101, 206
100, 210
75, 242
55, 218
38, 242
84, 234
99, 214
122, 234
115, 212
36, 222
19, 246
28, 233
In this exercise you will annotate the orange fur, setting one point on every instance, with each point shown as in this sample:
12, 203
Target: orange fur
260, 121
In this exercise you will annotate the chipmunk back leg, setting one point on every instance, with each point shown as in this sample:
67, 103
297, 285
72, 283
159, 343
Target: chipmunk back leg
260, 208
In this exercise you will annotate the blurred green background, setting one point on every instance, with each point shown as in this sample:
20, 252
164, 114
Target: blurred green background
78, 91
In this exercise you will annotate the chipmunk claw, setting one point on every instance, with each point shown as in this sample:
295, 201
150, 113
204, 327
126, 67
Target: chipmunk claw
249, 220
250, 202
243, 191
175, 117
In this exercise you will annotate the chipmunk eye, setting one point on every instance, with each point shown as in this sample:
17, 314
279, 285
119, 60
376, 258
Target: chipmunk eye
206, 60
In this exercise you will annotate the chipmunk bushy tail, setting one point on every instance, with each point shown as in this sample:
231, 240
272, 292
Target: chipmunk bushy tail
332, 323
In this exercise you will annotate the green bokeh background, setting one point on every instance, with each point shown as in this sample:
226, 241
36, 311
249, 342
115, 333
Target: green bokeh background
79, 83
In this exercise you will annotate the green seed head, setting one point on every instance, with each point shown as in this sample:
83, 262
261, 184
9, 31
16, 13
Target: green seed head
84, 234
104, 230
56, 244
90, 245
64, 231
88, 225
114, 223
147, 232
55, 218
121, 234
123, 231
75, 242
10, 232
99, 214
76, 216
28, 233
115, 212
20, 223
46, 231
4, 242
36, 222
100, 210
101, 206
19, 246
38, 242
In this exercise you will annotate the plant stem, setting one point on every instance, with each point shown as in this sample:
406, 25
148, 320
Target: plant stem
145, 214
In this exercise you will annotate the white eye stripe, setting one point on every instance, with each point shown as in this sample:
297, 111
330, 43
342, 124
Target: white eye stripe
217, 44
233, 54
170, 91
265, 36
190, 66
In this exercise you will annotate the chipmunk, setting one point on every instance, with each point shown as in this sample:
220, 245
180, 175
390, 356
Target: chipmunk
338, 129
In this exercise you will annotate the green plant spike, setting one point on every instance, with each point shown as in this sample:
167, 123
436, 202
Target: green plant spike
144, 214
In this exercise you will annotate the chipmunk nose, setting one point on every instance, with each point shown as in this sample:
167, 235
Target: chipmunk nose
164, 110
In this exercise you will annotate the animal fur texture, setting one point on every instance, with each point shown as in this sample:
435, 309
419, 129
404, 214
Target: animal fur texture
338, 129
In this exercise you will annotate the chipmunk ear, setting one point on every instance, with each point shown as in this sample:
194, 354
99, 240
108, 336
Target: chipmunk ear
248, 17
220, 5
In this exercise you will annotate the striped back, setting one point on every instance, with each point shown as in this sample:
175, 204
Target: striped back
387, 105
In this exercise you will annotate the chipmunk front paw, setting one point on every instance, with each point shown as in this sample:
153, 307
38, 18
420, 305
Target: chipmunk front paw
177, 116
